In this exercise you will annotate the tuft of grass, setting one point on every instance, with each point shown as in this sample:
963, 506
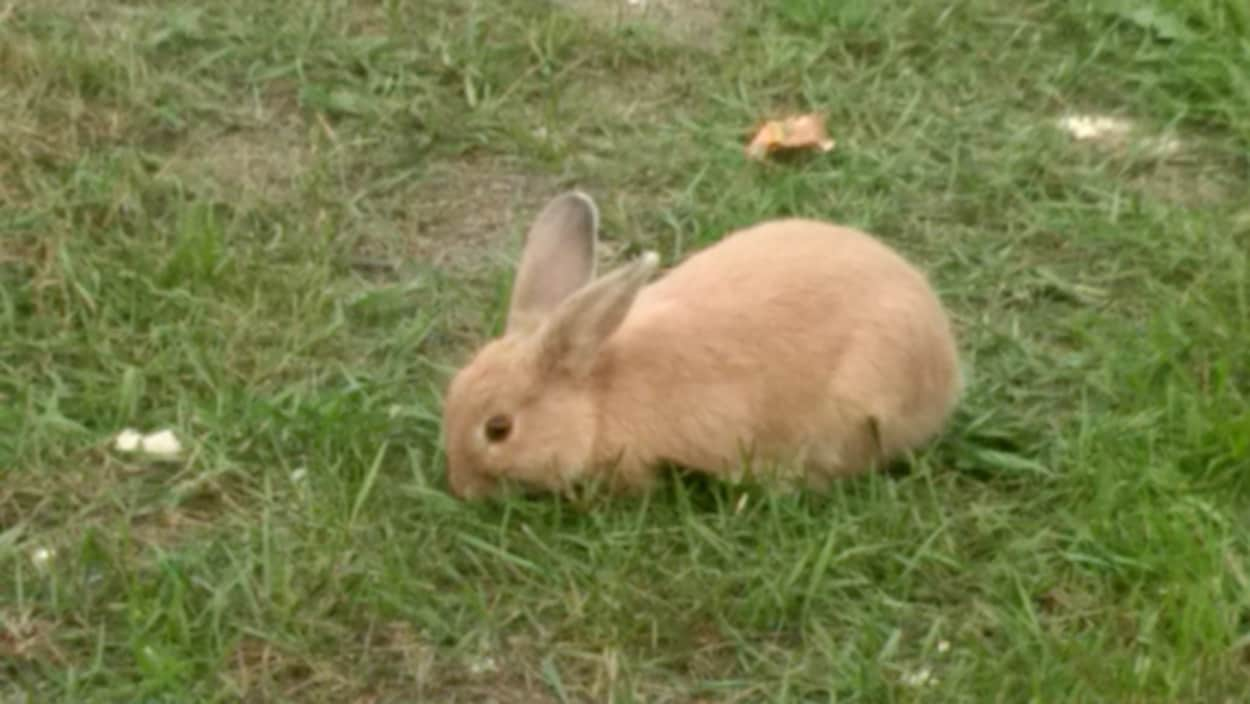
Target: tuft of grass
277, 228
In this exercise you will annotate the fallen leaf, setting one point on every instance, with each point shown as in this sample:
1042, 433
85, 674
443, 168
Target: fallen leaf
797, 132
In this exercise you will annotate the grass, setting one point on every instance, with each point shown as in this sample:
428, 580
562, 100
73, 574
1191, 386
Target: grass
277, 227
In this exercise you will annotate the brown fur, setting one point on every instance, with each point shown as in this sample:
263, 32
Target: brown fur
794, 345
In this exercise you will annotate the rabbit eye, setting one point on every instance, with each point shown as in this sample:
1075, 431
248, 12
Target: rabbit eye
498, 428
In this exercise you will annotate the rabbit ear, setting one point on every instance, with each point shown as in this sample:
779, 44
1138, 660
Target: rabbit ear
557, 259
572, 337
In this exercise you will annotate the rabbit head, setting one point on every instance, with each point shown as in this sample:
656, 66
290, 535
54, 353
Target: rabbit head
523, 409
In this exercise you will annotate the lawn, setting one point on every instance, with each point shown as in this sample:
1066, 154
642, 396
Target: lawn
277, 228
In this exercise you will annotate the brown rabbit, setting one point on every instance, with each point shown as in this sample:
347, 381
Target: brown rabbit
793, 346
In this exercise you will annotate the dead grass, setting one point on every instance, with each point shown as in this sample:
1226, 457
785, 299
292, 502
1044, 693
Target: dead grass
160, 506
1194, 173
26, 638
388, 662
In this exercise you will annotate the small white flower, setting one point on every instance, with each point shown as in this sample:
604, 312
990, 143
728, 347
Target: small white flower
128, 440
42, 556
943, 646
919, 678
162, 442
298, 475
482, 665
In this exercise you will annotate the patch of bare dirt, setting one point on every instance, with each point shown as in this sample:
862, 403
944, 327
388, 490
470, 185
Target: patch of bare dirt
259, 158
249, 164
691, 22
1183, 170
1186, 182
259, 670
465, 216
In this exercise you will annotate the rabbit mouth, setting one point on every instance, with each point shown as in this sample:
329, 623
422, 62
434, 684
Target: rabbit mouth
511, 487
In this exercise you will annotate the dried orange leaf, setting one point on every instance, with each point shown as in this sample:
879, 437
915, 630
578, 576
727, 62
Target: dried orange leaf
798, 132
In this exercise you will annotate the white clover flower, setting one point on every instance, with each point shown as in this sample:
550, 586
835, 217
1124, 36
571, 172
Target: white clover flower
42, 556
920, 678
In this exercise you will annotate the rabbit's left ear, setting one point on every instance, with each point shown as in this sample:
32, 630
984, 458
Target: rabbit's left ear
571, 338
558, 258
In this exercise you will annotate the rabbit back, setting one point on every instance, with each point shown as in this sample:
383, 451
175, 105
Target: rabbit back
792, 343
